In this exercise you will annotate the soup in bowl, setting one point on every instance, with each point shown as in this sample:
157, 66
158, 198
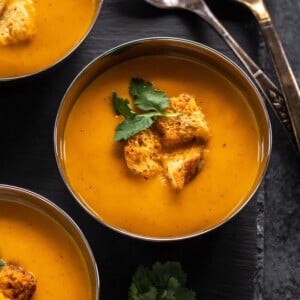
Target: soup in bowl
43, 253
162, 139
36, 35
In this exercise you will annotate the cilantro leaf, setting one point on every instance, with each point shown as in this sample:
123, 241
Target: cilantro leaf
151, 101
167, 270
164, 281
146, 97
130, 127
2, 263
122, 107
135, 295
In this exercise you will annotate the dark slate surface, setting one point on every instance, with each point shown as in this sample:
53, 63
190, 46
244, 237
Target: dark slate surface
255, 255
282, 184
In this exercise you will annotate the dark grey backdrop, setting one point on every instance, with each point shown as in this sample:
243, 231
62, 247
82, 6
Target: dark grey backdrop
256, 255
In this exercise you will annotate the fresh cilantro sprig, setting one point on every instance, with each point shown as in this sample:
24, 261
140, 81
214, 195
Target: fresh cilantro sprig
2, 263
151, 102
146, 97
164, 281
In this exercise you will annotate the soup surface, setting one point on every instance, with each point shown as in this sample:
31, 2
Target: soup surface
33, 241
97, 172
60, 25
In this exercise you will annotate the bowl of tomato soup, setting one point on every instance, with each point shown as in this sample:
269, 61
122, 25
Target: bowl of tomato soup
37, 35
162, 139
43, 242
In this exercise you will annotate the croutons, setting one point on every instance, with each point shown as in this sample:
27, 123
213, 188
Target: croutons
17, 21
189, 126
15, 283
182, 165
142, 154
174, 146
2, 5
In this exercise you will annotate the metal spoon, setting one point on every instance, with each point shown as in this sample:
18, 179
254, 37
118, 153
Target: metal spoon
283, 69
267, 87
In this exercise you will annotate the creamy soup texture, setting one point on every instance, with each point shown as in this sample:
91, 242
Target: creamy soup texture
60, 25
97, 173
39, 245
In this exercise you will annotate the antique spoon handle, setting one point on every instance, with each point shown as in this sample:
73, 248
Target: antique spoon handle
267, 87
284, 73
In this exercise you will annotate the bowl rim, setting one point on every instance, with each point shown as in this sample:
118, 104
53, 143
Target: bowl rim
60, 60
204, 47
43, 205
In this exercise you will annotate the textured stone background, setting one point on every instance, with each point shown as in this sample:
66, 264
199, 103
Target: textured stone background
282, 183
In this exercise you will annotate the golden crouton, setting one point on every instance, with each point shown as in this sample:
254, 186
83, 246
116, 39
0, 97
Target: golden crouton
17, 22
2, 5
190, 125
15, 283
182, 165
142, 154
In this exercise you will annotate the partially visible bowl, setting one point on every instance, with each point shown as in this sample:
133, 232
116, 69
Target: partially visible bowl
59, 26
42, 239
92, 164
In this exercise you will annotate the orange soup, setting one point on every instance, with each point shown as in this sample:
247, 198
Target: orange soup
39, 245
60, 25
97, 173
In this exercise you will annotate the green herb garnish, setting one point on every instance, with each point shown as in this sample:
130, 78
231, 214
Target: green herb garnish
145, 98
2, 263
164, 281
